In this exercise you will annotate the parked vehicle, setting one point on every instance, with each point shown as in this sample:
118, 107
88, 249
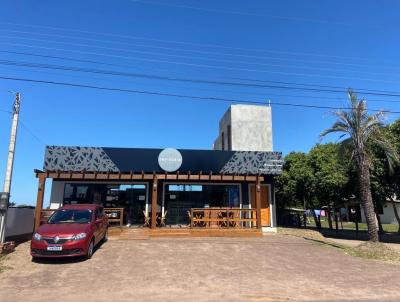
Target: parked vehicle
72, 230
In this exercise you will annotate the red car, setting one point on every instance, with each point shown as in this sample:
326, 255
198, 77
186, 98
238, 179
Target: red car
72, 230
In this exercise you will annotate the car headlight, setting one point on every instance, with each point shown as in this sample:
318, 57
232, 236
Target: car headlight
79, 236
37, 236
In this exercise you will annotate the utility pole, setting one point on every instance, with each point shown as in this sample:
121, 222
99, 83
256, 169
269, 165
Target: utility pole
5, 195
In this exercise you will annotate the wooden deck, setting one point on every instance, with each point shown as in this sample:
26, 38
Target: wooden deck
124, 233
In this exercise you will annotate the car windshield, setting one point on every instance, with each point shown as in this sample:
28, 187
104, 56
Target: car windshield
71, 216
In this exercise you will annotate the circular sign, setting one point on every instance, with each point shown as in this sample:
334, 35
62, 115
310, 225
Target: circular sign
170, 159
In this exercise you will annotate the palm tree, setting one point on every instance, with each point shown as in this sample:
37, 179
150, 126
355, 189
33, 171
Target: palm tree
359, 131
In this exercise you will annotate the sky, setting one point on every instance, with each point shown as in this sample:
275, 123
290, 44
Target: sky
185, 48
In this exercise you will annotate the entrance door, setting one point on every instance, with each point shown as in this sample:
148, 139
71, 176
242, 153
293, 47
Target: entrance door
131, 197
265, 211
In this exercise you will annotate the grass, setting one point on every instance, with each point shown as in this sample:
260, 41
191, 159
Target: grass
2, 265
374, 251
388, 228
303, 233
366, 250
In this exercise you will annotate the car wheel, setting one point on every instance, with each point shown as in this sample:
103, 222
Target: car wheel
90, 250
105, 238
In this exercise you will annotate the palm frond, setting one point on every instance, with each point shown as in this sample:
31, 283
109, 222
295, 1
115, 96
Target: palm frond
388, 149
362, 129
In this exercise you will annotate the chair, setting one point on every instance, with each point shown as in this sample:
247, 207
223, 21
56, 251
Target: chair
146, 219
222, 219
234, 214
163, 218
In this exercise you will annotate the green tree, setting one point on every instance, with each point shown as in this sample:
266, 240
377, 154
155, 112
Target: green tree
296, 185
385, 183
330, 176
361, 131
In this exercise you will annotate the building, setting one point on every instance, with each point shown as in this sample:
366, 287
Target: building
245, 128
386, 212
187, 188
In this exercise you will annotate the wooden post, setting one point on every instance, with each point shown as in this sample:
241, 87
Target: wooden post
154, 197
258, 202
39, 199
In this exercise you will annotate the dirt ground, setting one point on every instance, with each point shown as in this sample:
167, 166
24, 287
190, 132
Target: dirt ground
272, 268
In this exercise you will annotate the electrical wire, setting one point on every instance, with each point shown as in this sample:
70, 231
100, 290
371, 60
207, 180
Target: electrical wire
31, 132
182, 42
209, 66
243, 79
229, 12
192, 50
198, 81
164, 94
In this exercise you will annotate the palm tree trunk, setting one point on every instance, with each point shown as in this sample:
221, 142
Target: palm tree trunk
366, 201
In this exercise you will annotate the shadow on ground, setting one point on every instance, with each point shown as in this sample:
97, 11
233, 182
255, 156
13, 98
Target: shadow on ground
353, 235
64, 260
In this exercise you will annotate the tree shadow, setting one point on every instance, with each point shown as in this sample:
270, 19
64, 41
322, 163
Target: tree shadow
361, 235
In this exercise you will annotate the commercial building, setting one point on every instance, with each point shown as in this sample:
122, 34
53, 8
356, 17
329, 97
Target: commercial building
187, 188
245, 128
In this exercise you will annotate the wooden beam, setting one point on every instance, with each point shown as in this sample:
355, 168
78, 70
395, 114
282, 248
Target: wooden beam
39, 199
258, 202
146, 176
154, 198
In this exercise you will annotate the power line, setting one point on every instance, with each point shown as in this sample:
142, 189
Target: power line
181, 42
209, 66
189, 50
261, 94
31, 133
164, 94
229, 12
363, 90
198, 81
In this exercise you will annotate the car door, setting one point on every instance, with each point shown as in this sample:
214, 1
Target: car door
104, 220
98, 222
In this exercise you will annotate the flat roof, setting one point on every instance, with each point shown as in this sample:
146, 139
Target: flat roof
122, 160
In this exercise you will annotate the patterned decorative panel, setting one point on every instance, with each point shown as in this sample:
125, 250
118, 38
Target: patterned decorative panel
61, 158
252, 162
103, 159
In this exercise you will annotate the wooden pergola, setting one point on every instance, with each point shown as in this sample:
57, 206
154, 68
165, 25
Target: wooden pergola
153, 177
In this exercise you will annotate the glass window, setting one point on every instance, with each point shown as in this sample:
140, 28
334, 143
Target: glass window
179, 199
71, 216
131, 197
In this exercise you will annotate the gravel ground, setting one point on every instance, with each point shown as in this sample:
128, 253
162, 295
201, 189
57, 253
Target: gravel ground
272, 268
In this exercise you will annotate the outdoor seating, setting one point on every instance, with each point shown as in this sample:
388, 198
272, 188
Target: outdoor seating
222, 219
190, 218
163, 218
146, 219
233, 217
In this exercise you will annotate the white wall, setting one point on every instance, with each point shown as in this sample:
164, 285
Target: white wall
251, 128
57, 194
388, 214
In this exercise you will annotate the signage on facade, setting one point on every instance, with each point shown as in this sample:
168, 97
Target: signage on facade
170, 159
